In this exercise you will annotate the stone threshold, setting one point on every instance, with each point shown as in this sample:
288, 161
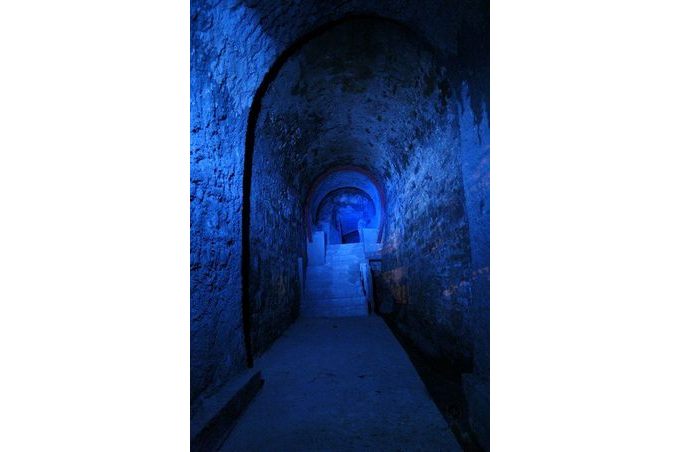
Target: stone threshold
214, 417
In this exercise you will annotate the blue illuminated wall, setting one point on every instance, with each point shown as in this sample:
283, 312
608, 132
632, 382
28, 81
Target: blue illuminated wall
401, 91
474, 146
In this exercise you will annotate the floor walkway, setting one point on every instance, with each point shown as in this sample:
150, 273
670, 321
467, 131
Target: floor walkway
340, 384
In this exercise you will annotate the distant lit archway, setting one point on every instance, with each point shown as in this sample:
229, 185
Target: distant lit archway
342, 202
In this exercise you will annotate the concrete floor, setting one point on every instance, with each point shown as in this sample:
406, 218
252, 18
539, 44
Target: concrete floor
340, 384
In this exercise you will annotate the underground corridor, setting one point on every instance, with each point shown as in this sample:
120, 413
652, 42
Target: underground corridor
339, 225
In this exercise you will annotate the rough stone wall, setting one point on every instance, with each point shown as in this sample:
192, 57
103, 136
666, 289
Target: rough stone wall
426, 254
434, 278
234, 44
360, 94
474, 145
277, 234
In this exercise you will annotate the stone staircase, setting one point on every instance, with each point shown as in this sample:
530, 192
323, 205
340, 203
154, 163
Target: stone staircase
334, 289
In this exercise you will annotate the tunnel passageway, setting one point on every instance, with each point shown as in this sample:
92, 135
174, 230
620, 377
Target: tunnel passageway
339, 167
340, 384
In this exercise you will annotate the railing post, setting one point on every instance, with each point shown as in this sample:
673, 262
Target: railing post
367, 285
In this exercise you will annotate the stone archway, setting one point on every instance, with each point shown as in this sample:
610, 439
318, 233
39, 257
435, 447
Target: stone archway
387, 30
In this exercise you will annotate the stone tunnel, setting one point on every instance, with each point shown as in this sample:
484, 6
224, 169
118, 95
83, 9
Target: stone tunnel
325, 134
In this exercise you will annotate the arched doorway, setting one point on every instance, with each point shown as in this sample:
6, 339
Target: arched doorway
312, 115
348, 204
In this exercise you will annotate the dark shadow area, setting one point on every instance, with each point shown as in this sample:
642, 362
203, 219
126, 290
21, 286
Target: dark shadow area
351, 237
444, 385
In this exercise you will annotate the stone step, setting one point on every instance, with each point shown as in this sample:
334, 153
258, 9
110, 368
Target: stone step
340, 288
338, 273
357, 300
331, 277
353, 252
345, 254
335, 261
340, 268
329, 269
330, 281
344, 257
360, 299
334, 289
359, 252
346, 246
342, 272
327, 295
342, 275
